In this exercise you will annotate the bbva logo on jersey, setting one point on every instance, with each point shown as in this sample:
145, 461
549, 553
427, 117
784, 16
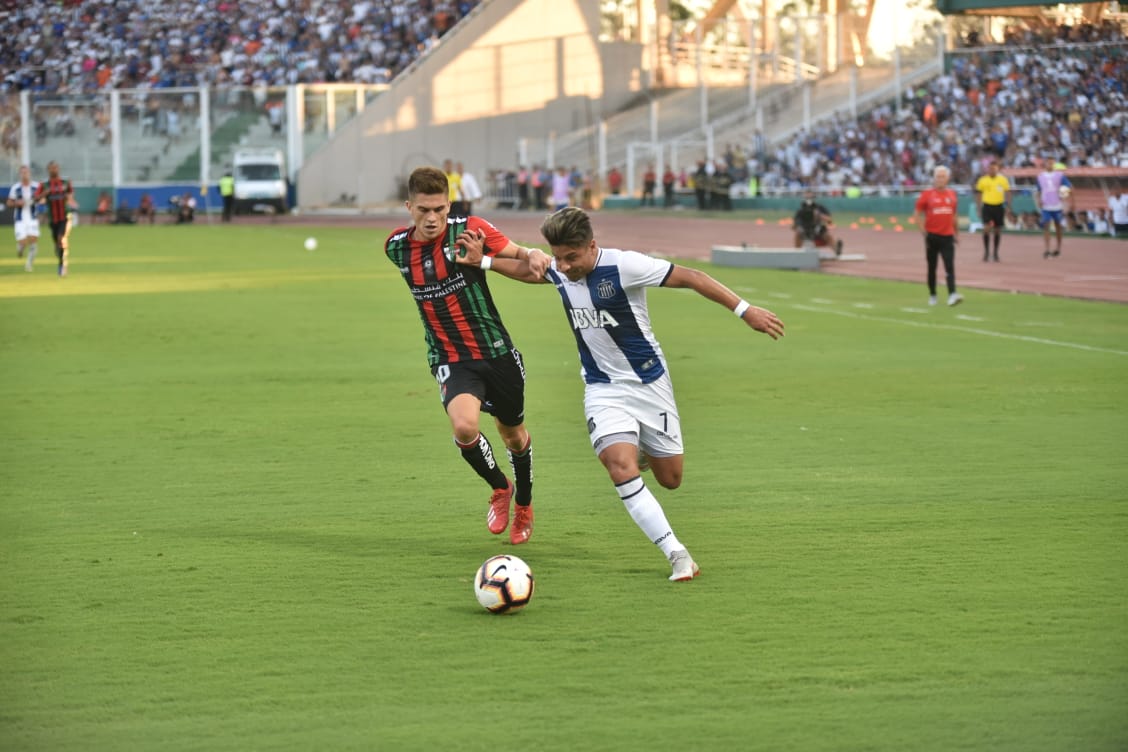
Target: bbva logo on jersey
586, 318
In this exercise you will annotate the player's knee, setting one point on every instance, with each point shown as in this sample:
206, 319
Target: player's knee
464, 429
670, 479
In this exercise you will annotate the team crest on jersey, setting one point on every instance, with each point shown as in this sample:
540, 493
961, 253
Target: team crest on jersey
605, 289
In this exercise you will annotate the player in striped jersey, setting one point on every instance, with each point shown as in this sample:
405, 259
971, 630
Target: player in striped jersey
21, 198
468, 347
58, 194
628, 396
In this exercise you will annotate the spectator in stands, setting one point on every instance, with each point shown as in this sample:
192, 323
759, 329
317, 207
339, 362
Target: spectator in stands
615, 181
701, 185
103, 208
542, 183
185, 208
145, 208
649, 185
471, 191
454, 185
561, 189
1118, 205
721, 185
669, 179
124, 214
90, 45
1098, 222
523, 187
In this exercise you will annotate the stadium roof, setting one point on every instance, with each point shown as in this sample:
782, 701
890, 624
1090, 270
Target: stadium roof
948, 7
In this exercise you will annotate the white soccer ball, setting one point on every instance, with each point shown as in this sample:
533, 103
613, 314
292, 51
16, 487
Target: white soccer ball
311, 244
1064, 191
504, 584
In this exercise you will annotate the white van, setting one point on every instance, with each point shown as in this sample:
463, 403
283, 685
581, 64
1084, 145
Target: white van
260, 181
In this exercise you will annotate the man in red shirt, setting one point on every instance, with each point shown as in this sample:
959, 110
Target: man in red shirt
615, 181
936, 212
649, 184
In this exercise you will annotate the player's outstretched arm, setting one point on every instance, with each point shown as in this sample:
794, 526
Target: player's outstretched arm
524, 265
760, 319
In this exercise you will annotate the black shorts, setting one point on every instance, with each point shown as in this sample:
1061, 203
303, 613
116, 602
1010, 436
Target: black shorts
994, 215
60, 229
499, 384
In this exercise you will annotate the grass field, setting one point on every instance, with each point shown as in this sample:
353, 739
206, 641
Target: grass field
233, 518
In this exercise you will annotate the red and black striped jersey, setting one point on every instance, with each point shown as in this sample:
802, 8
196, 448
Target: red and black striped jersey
56, 191
460, 320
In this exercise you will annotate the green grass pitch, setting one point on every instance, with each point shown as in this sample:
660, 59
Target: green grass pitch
233, 518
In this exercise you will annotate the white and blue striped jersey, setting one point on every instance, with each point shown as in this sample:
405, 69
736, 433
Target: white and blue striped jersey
608, 314
27, 193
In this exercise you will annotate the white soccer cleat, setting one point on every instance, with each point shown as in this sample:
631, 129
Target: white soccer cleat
685, 568
955, 299
932, 300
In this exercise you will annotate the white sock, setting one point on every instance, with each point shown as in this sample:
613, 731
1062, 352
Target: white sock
648, 515
31, 251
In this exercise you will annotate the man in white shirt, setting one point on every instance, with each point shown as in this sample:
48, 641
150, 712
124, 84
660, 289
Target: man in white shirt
1118, 203
469, 188
629, 404
25, 216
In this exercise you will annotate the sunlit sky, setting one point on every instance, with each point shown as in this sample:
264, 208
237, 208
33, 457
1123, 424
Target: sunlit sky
892, 22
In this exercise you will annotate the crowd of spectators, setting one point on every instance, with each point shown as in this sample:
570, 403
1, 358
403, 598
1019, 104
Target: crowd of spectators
80, 47
83, 46
1057, 94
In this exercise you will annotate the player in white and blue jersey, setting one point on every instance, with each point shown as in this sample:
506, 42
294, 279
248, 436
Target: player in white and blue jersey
628, 396
25, 216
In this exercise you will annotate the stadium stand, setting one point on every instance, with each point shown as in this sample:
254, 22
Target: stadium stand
83, 46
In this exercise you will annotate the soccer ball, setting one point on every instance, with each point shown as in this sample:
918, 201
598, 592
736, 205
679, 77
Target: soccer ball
311, 244
1064, 191
504, 584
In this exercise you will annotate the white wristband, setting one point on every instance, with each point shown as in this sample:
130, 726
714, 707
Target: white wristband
741, 307
486, 263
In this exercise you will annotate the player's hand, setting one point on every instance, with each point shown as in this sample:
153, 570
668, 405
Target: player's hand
763, 320
539, 261
473, 245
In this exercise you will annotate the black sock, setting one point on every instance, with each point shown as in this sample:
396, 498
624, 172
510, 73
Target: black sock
522, 463
986, 243
479, 455
997, 237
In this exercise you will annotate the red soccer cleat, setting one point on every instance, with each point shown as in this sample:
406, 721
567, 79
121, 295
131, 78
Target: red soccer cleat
522, 528
497, 519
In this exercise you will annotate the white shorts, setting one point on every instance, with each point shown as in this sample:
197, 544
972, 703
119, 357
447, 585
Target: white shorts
27, 228
647, 411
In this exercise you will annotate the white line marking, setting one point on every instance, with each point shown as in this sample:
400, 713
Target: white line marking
863, 305
915, 310
822, 301
964, 329
968, 318
1093, 277
782, 295
1039, 323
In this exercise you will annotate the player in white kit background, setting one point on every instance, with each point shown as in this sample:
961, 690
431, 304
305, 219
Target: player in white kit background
25, 216
629, 404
